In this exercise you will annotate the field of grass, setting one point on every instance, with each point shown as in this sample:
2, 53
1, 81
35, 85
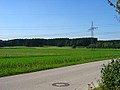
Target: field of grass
16, 60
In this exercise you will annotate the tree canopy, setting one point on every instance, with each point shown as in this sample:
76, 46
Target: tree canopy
60, 42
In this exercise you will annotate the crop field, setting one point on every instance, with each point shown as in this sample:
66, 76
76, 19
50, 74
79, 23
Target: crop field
17, 60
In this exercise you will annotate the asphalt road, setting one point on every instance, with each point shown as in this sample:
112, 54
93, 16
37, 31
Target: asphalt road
77, 77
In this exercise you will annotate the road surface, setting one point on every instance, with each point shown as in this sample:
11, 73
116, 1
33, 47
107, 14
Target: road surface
75, 77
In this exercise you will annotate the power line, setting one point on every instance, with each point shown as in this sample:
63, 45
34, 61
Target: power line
68, 34
58, 26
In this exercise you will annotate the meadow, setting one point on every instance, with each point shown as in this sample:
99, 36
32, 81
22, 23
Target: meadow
18, 60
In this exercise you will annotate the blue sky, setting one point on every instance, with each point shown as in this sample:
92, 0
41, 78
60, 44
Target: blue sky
57, 18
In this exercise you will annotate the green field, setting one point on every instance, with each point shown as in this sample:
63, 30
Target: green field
16, 60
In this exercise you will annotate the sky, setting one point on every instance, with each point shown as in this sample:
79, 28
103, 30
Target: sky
57, 19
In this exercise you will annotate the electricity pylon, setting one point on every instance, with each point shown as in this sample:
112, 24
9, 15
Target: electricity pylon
92, 34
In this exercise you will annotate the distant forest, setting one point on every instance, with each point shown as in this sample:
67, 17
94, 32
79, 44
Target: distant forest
60, 42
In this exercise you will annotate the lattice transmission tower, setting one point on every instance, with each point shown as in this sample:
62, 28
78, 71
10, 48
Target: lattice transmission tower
92, 29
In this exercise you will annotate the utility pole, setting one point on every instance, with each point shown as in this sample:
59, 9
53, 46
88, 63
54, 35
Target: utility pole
92, 34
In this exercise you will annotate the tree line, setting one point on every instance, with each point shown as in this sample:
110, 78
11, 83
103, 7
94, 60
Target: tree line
107, 44
48, 42
60, 42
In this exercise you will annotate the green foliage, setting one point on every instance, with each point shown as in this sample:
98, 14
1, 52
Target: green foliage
111, 76
106, 44
74, 46
116, 6
60, 42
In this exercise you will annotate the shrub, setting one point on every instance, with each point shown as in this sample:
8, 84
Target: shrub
74, 46
110, 76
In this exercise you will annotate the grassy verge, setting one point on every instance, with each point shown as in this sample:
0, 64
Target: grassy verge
19, 60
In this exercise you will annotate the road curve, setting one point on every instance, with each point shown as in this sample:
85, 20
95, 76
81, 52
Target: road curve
77, 77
